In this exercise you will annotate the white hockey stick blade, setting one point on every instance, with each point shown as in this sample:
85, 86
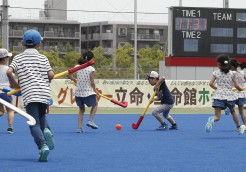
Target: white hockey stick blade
31, 120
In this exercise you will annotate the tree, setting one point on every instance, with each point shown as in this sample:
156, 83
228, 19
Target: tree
53, 57
149, 60
150, 57
100, 59
124, 56
55, 62
70, 59
68, 47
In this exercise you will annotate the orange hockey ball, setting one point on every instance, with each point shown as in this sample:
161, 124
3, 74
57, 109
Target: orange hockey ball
118, 126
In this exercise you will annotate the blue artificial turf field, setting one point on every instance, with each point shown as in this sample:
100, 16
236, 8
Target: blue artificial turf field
144, 150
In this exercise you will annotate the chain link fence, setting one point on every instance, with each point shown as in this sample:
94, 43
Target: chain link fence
111, 73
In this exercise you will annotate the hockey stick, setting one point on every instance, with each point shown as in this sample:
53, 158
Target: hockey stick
30, 119
72, 70
123, 104
234, 89
6, 90
136, 125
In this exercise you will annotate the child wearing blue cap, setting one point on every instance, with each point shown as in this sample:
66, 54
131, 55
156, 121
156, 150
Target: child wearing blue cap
34, 73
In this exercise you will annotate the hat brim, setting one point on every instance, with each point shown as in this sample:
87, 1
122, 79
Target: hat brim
10, 54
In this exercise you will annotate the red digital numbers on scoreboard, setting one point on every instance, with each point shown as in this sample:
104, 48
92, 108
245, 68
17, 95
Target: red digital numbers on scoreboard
184, 23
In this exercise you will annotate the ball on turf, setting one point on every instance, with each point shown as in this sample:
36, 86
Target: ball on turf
118, 126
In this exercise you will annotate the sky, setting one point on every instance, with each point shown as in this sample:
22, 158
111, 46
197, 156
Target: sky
146, 6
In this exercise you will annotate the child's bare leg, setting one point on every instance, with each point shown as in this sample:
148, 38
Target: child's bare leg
171, 120
93, 112
11, 114
1, 110
160, 119
81, 116
235, 117
217, 115
241, 112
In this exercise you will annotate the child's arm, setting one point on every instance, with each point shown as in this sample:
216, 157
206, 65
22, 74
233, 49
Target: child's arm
157, 87
158, 84
155, 99
211, 82
51, 75
70, 76
93, 82
12, 80
236, 83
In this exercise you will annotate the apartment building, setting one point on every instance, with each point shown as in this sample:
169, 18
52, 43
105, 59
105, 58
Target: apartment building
56, 34
57, 31
111, 35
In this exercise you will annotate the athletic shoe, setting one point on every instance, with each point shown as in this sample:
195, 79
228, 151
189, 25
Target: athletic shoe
209, 124
173, 127
80, 130
162, 128
49, 138
227, 111
43, 153
241, 129
10, 130
92, 124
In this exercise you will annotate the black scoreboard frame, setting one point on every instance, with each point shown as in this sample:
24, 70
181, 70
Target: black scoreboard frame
206, 32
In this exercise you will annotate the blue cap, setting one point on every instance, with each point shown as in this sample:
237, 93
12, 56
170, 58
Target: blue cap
32, 37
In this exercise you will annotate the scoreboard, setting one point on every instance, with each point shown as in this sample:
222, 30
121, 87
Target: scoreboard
206, 32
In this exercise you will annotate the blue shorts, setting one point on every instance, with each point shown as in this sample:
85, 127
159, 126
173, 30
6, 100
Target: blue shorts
241, 101
223, 104
5, 97
89, 101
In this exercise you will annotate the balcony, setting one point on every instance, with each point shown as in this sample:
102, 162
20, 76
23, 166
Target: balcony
77, 34
59, 49
146, 37
77, 49
16, 33
94, 37
107, 36
61, 35
48, 34
83, 37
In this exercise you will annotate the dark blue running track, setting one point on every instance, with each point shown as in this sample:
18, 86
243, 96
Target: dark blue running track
188, 149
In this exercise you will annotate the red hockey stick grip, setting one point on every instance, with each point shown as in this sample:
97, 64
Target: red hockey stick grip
89, 63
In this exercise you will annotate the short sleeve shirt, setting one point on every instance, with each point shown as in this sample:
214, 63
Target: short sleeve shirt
165, 95
224, 86
240, 79
4, 80
83, 87
32, 70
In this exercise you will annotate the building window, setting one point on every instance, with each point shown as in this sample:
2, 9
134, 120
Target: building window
122, 31
107, 44
107, 29
24, 28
